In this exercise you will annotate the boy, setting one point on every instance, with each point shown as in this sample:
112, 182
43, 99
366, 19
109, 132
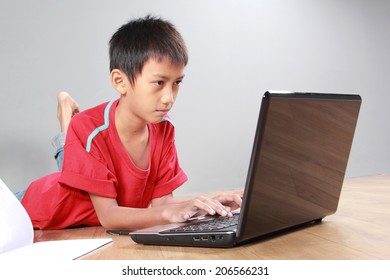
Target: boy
120, 166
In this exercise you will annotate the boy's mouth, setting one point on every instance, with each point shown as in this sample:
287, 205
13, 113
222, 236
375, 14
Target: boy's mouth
164, 112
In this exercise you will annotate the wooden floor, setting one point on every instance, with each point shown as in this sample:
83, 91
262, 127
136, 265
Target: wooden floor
360, 229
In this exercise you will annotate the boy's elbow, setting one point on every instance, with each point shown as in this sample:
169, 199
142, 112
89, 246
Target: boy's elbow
108, 220
106, 211
106, 223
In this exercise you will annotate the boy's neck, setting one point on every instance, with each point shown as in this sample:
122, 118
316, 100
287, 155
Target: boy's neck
127, 124
134, 135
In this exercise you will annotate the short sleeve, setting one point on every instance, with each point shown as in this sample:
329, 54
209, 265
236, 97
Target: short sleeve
86, 172
170, 175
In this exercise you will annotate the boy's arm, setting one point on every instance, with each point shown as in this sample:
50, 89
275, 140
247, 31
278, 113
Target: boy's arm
114, 217
223, 203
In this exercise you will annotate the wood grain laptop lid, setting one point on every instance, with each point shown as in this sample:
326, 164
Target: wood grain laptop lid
299, 159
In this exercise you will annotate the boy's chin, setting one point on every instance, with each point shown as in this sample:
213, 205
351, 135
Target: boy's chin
156, 120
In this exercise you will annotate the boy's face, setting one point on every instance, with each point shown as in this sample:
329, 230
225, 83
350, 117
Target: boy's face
155, 89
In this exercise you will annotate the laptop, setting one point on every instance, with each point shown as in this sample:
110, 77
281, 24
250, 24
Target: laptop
296, 171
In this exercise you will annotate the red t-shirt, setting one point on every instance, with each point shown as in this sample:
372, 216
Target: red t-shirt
96, 162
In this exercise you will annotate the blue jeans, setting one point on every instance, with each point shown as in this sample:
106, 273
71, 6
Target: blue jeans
57, 142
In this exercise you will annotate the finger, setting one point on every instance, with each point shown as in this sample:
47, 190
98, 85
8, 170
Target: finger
232, 199
188, 213
238, 199
219, 208
211, 206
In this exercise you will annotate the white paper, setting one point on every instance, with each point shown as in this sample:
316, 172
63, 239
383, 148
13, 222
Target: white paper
16, 229
58, 250
17, 236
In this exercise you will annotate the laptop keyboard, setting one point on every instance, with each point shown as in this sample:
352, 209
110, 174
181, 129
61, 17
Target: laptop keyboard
217, 223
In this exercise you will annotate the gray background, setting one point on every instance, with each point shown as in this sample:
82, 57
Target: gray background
238, 50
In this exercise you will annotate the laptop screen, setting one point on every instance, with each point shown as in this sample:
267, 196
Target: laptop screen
298, 162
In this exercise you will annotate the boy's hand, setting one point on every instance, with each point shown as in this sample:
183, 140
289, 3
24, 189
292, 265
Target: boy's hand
232, 200
221, 204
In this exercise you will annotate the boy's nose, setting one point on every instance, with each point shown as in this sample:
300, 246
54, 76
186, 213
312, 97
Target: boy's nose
168, 97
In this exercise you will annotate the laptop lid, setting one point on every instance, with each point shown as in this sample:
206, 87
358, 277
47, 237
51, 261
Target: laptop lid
299, 158
296, 171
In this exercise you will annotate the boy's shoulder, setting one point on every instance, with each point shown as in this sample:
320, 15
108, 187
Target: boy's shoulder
91, 118
96, 111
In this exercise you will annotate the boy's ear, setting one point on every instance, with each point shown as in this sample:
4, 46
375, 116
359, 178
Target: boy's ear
118, 81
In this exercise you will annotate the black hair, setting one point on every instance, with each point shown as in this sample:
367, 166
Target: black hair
138, 40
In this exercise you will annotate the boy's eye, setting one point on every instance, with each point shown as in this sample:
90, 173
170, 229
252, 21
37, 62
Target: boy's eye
159, 83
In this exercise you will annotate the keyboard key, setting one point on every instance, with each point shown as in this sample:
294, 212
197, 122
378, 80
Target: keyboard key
217, 223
